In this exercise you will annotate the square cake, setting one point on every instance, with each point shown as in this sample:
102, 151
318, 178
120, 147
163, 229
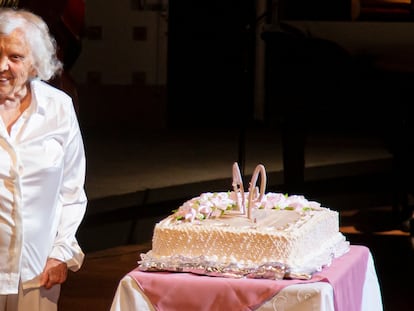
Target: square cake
252, 234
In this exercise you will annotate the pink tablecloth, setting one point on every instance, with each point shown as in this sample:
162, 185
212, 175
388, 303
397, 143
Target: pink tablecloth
185, 291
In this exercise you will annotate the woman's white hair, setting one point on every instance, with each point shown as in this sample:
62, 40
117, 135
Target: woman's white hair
41, 42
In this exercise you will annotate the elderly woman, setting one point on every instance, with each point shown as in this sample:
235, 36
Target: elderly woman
42, 168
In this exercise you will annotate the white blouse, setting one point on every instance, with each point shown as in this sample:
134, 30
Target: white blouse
42, 196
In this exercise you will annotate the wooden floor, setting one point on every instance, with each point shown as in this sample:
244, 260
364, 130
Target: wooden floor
118, 169
93, 287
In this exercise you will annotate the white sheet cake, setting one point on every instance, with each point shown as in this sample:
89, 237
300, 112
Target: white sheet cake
237, 234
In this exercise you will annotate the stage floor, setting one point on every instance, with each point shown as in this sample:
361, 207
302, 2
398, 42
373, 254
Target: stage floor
135, 179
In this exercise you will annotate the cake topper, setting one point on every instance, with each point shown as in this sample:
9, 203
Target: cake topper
254, 195
238, 188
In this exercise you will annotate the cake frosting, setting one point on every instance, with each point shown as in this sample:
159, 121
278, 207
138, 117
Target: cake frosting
239, 233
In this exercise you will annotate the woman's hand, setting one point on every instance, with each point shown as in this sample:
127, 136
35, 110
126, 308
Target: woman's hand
55, 272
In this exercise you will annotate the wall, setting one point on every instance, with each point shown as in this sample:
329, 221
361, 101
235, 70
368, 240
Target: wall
210, 63
121, 72
210, 51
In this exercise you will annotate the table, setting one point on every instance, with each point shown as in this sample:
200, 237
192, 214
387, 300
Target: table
292, 295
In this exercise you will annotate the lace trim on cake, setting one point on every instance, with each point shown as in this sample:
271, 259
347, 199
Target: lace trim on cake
270, 270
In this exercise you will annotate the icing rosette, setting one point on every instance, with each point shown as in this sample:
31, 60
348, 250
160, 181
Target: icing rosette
207, 205
284, 201
216, 204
